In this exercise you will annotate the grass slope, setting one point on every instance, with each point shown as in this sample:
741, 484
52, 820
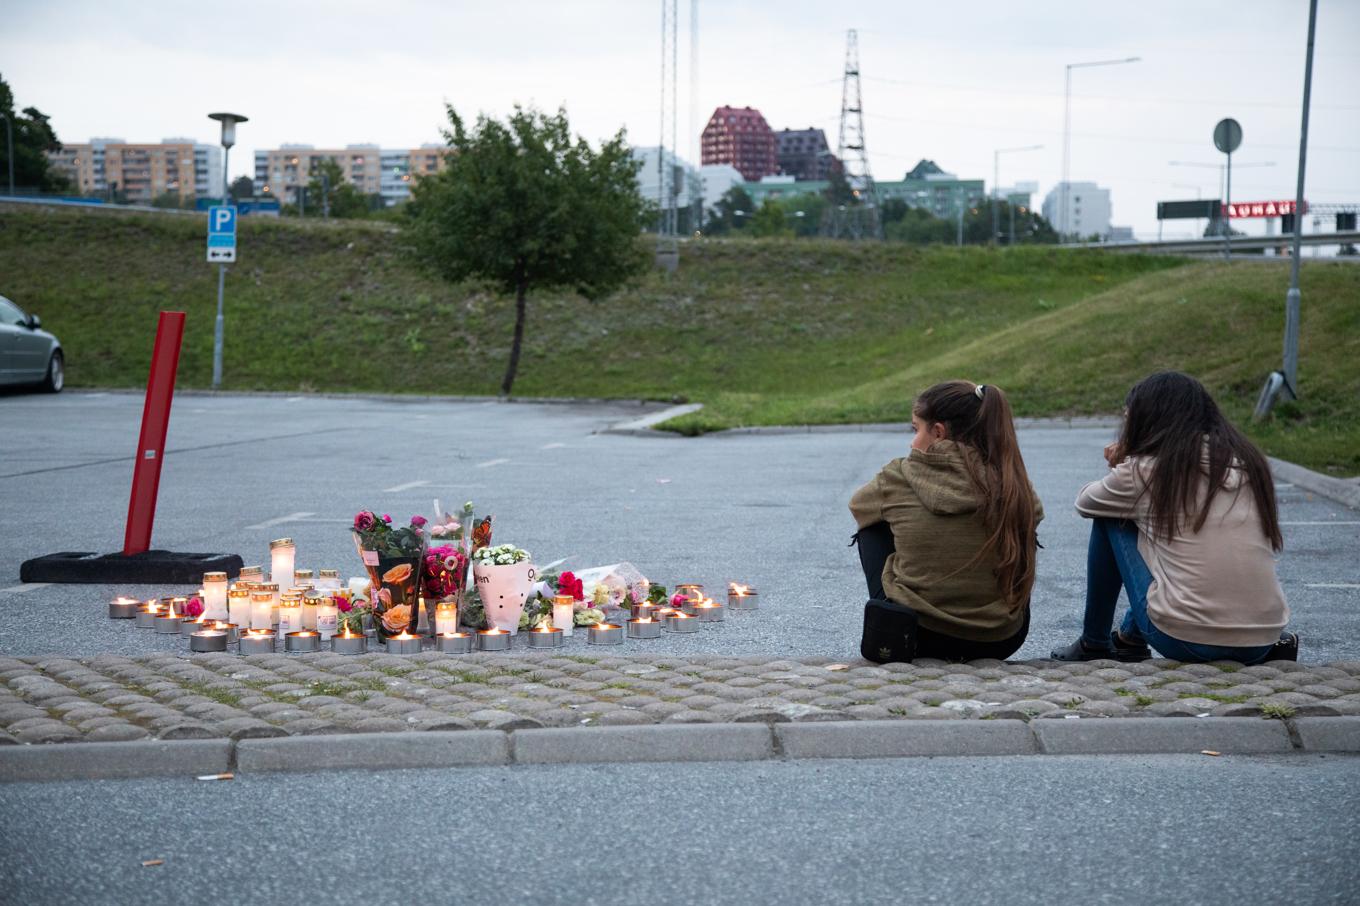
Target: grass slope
761, 332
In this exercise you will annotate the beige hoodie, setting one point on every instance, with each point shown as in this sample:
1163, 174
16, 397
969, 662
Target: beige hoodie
931, 505
1216, 586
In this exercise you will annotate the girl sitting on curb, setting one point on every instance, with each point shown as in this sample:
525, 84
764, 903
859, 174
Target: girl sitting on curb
947, 535
1186, 522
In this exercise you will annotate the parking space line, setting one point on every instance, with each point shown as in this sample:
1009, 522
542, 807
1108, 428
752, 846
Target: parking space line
291, 517
1330, 585
20, 589
553, 446
491, 462
405, 487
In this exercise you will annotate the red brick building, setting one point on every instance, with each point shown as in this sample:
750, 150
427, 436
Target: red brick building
740, 136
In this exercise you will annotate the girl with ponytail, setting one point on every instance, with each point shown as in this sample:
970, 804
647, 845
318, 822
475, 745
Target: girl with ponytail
947, 535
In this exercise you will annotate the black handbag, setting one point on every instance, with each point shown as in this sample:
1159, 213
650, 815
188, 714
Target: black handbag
890, 632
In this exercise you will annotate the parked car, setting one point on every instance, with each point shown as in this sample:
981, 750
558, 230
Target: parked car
28, 354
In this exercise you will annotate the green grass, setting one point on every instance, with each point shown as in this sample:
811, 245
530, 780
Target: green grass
761, 332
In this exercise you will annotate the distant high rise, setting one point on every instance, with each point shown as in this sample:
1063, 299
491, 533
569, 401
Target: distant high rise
142, 172
1088, 210
740, 136
804, 154
373, 171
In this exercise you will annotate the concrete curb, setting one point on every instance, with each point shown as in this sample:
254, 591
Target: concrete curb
681, 742
385, 397
642, 427
1345, 491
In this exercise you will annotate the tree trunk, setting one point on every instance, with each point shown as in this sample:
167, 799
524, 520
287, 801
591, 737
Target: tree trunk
521, 288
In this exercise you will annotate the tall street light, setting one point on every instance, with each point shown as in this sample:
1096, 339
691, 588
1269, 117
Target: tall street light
1067, 125
228, 121
996, 187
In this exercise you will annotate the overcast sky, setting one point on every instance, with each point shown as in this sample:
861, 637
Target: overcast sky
948, 81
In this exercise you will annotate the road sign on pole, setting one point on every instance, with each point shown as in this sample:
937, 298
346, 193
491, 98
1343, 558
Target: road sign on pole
222, 234
1227, 138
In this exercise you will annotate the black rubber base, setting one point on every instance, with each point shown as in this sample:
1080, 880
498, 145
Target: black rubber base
147, 568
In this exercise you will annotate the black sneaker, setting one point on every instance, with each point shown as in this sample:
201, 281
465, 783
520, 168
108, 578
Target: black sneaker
1081, 651
1286, 649
1128, 654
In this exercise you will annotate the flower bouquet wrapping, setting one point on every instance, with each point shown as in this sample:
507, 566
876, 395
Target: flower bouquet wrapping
393, 559
504, 577
445, 576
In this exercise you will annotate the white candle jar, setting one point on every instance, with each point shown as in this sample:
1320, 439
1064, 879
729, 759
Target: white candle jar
250, 575
327, 617
261, 610
309, 605
238, 607
328, 580
282, 556
564, 613
445, 617
274, 598
290, 615
214, 596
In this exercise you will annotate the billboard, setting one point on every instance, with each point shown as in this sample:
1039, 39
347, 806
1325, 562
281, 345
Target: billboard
1261, 208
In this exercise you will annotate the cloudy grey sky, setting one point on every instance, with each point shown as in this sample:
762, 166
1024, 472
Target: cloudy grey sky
949, 81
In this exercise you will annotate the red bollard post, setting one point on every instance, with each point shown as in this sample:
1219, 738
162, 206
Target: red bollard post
160, 391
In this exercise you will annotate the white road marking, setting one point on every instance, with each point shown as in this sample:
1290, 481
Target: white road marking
291, 517
491, 462
1330, 585
405, 487
295, 399
1323, 522
552, 446
20, 589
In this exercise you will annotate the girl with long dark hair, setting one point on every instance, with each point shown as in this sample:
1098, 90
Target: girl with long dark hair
1186, 523
948, 533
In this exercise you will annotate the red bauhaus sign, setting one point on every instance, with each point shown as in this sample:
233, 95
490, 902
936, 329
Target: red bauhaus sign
1261, 208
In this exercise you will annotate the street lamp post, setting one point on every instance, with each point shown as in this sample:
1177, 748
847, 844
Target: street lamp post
228, 121
9, 134
996, 187
1067, 126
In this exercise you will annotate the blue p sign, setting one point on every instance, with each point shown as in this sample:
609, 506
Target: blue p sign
222, 233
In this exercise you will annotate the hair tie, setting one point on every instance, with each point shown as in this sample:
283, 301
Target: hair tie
977, 391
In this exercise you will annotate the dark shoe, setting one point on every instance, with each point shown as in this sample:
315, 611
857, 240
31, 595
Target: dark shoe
1080, 651
1128, 653
1286, 649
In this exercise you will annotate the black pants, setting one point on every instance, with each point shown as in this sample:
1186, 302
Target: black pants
875, 546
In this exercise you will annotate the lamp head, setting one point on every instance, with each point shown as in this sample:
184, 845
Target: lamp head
228, 121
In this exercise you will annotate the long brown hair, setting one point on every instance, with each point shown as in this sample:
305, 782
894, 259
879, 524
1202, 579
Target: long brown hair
1173, 420
979, 416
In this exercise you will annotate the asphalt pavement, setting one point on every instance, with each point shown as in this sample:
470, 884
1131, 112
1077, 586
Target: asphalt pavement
769, 510
1051, 829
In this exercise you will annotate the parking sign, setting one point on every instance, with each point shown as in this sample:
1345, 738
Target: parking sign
222, 234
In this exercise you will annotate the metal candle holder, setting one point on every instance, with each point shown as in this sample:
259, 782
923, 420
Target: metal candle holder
403, 644
690, 590
257, 643
349, 644
167, 624
682, 622
664, 613
491, 640
748, 601
304, 642
644, 629
124, 608
208, 640
233, 634
146, 619
710, 612
189, 625
605, 634
546, 638
454, 642
645, 609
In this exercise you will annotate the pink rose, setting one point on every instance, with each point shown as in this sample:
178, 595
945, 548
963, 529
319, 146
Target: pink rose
387, 518
364, 521
418, 521
678, 600
344, 605
194, 608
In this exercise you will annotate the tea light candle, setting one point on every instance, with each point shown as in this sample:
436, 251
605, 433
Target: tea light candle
690, 590
405, 643
257, 641
215, 596
189, 625
238, 606
564, 613
445, 617
250, 575
710, 611
310, 601
147, 614
282, 554
124, 608
302, 642
664, 613
168, 622
327, 616
261, 610
208, 640
605, 634
349, 642
454, 642
493, 640
644, 610
742, 597
682, 622
233, 634
644, 628
290, 615
546, 637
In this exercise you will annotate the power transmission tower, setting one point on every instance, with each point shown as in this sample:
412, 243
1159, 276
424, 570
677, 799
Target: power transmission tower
855, 216
668, 177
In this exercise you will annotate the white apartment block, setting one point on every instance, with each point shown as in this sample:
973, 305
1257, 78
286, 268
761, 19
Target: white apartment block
279, 172
1087, 210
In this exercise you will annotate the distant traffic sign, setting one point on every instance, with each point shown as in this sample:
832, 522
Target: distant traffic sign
222, 234
1262, 208
1227, 135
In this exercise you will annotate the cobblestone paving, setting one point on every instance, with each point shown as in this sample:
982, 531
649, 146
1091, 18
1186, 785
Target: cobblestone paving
54, 699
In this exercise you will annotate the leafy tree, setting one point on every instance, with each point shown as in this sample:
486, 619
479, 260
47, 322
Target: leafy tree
771, 220
330, 194
919, 227
171, 200
892, 210
242, 188
724, 217
33, 137
524, 205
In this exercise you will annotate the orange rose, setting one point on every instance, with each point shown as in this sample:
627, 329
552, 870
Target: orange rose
397, 618
398, 574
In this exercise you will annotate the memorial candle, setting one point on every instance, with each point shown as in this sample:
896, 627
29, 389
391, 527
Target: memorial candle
215, 596
250, 575
310, 601
564, 613
327, 616
290, 615
238, 606
261, 610
328, 580
282, 554
445, 617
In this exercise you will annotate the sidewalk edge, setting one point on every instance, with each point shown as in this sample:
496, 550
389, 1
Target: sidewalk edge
1345, 491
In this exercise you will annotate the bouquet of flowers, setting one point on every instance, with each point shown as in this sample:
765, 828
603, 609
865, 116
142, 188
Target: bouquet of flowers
445, 572
501, 555
393, 558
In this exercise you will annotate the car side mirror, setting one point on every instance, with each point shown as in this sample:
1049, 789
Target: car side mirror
34, 322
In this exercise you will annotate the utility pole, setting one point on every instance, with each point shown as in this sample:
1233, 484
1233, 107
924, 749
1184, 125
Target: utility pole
1067, 131
996, 187
667, 245
228, 121
860, 215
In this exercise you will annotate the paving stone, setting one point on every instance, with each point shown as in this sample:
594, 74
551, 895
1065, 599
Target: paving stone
691, 717
185, 731
52, 731
626, 719
492, 719
248, 728
1024, 709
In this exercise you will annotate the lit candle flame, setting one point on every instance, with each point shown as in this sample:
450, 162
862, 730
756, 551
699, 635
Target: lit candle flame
740, 590
492, 631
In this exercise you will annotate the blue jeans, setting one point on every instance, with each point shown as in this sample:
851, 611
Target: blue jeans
1112, 560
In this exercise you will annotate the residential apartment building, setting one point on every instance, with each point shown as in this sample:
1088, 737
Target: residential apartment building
676, 183
804, 154
925, 186
1086, 212
279, 172
740, 136
142, 172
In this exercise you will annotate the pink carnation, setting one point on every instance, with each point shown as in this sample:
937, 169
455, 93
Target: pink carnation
387, 518
678, 600
418, 521
194, 607
344, 605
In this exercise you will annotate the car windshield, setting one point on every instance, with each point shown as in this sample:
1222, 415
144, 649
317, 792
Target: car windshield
11, 313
